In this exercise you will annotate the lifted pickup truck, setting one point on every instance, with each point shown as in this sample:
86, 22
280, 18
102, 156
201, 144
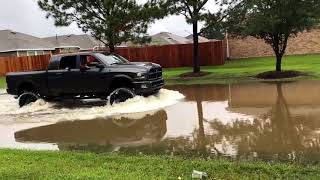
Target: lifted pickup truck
84, 76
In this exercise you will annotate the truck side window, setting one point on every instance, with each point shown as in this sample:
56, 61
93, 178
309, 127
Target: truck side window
88, 60
68, 62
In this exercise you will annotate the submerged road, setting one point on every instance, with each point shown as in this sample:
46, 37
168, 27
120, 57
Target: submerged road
254, 120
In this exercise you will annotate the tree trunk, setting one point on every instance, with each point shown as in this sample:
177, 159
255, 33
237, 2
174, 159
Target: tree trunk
278, 63
196, 64
112, 48
283, 126
201, 133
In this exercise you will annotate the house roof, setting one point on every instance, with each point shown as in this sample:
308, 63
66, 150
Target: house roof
84, 42
201, 39
15, 41
165, 38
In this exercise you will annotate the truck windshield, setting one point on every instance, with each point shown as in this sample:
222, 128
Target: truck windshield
111, 59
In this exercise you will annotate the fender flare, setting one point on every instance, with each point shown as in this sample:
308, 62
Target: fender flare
122, 76
21, 84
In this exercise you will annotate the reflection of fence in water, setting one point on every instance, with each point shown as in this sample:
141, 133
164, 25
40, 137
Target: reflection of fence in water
301, 93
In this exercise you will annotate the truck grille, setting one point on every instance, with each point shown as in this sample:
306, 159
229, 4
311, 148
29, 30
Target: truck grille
155, 73
157, 83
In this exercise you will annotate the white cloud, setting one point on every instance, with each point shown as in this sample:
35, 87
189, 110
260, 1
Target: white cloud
25, 16
173, 24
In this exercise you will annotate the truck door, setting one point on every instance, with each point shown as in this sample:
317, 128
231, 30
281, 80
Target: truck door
94, 78
64, 79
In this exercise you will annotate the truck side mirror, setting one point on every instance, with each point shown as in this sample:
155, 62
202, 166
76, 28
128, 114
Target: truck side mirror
100, 66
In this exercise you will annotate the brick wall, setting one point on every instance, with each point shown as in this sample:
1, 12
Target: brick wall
305, 43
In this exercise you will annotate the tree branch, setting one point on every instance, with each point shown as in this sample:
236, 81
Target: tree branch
185, 2
201, 5
93, 13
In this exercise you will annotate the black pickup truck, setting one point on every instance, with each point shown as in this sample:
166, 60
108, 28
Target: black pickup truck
84, 76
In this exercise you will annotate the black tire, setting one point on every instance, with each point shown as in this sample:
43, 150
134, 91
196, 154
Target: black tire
120, 95
27, 98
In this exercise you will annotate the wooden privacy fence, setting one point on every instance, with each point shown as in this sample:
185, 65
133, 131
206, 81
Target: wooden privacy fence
180, 55
211, 53
26, 63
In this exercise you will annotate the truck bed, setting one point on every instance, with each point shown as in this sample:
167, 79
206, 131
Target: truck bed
37, 78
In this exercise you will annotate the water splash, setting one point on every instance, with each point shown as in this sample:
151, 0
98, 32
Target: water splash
42, 111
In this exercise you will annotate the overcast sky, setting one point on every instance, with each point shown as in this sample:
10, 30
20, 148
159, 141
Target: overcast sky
25, 16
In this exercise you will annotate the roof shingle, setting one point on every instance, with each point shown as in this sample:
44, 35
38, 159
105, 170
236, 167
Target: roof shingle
16, 41
13, 41
84, 42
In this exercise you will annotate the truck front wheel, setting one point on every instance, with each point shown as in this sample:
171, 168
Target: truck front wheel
27, 98
120, 95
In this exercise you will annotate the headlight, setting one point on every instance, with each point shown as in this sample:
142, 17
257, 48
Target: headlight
141, 75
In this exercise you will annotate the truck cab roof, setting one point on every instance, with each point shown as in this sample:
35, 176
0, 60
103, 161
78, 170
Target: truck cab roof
55, 60
78, 53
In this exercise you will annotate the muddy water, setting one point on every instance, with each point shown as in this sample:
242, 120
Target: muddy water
261, 120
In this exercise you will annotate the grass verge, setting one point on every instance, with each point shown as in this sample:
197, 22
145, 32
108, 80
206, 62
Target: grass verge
21, 164
3, 83
244, 70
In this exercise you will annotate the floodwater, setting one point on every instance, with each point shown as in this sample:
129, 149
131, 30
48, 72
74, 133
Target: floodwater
268, 121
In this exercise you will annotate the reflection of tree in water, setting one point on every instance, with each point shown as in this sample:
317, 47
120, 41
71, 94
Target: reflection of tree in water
195, 146
277, 135
274, 136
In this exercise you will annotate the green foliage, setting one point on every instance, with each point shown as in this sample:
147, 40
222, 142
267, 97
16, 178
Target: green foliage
18, 164
214, 26
267, 19
112, 22
192, 10
273, 21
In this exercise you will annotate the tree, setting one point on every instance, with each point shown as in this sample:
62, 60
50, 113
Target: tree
214, 26
274, 21
112, 22
194, 11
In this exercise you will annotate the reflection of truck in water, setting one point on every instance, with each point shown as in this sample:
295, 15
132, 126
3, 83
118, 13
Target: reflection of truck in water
86, 75
107, 134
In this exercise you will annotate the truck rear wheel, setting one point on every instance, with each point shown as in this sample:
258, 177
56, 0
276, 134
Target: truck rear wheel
27, 98
120, 95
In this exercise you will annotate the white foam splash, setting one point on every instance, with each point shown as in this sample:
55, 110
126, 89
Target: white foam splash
42, 111
37, 106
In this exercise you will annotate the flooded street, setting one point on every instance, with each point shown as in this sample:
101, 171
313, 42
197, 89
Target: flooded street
259, 120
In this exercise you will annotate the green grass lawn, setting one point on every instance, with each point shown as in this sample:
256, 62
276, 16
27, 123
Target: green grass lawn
243, 70
17, 164
3, 83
